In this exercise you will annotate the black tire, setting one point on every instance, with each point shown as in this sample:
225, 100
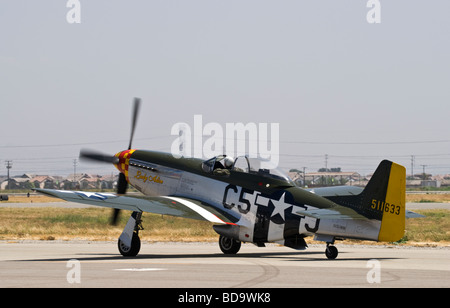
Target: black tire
130, 251
228, 245
331, 252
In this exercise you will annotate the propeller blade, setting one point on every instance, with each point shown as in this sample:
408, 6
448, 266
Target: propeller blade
122, 186
115, 217
137, 103
98, 157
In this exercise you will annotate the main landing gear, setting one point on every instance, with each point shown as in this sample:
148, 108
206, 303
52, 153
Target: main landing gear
129, 242
229, 246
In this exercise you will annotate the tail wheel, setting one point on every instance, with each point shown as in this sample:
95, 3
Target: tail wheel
228, 245
331, 252
130, 251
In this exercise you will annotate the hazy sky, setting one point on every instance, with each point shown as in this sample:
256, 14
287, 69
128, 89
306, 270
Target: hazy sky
336, 84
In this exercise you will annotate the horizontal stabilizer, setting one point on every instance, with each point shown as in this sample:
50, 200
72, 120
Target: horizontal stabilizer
410, 214
334, 191
330, 213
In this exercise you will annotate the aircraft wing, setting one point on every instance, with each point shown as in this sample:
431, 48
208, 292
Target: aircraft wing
165, 205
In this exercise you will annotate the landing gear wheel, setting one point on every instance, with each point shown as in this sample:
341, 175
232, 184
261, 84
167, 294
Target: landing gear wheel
130, 251
228, 245
331, 252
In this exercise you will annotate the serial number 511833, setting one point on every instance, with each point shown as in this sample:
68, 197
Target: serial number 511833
385, 207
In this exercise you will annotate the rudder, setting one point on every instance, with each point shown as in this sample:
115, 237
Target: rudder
385, 195
393, 221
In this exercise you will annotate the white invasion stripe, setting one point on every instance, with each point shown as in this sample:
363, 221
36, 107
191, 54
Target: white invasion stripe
204, 213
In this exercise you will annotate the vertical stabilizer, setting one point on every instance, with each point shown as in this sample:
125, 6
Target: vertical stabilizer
383, 199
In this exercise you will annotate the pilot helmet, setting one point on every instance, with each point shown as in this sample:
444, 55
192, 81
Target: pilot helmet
228, 162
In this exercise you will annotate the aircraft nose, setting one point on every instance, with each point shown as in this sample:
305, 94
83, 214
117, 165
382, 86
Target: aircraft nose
123, 161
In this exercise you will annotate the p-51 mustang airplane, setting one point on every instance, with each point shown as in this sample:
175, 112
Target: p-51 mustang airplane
247, 200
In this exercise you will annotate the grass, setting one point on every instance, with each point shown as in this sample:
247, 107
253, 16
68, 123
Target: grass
434, 228
93, 224
428, 198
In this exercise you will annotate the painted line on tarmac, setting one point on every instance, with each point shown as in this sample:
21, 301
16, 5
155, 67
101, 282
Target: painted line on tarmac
140, 269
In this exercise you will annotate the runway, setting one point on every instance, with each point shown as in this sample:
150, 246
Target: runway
202, 265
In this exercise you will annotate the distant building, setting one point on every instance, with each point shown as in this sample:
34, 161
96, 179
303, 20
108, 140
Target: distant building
44, 181
314, 179
332, 178
80, 182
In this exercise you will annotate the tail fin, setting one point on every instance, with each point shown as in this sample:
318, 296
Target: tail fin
390, 201
382, 199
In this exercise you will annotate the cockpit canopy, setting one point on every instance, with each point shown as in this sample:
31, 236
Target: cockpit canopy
257, 166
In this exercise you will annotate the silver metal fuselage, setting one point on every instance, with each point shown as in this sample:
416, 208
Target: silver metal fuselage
265, 209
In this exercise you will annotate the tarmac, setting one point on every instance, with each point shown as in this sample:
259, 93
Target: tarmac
86, 264
83, 264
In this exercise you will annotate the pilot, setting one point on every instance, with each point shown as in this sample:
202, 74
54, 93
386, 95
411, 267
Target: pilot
224, 166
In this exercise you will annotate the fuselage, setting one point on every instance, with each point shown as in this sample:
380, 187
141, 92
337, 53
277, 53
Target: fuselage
262, 202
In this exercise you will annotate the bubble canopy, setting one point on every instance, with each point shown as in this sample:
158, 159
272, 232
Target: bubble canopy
250, 165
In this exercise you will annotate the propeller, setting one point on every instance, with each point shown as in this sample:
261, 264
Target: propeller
137, 104
122, 184
91, 155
